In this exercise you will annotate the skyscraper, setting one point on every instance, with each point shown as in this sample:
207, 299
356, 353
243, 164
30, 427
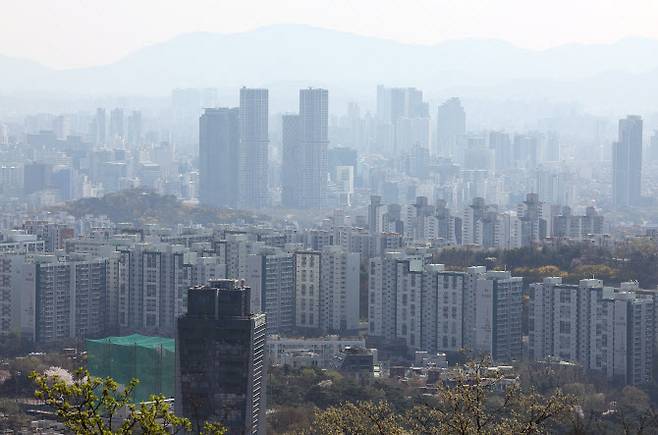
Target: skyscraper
134, 128
117, 133
403, 118
313, 131
450, 126
219, 144
220, 359
254, 140
291, 176
627, 162
100, 133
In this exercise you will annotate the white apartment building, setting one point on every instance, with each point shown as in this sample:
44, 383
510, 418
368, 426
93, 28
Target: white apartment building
47, 298
339, 290
152, 289
611, 330
432, 309
307, 290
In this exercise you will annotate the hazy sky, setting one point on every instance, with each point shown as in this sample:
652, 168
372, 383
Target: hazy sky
70, 33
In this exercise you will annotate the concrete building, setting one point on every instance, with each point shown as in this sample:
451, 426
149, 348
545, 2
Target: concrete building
219, 146
307, 290
498, 302
450, 127
339, 290
152, 288
49, 299
313, 131
254, 141
442, 309
327, 348
432, 309
627, 163
271, 276
291, 161
610, 330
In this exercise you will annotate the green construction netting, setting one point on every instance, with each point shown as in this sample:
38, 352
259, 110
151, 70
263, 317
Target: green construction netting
149, 359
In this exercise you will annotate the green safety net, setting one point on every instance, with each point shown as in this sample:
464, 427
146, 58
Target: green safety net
149, 359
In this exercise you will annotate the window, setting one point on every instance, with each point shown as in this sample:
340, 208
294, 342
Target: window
150, 260
150, 290
565, 327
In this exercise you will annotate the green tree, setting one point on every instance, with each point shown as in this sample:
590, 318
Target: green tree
92, 405
361, 418
471, 405
12, 416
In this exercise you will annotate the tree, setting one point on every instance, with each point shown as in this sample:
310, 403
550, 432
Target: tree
92, 405
12, 416
471, 405
362, 418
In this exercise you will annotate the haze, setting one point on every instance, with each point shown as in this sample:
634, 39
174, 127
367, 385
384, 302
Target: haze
268, 210
77, 33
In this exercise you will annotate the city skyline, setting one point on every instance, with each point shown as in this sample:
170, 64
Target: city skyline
426, 215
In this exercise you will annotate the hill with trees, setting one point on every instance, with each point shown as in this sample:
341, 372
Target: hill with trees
142, 206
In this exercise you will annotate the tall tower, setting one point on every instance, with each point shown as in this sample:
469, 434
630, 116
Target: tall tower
219, 143
450, 126
220, 359
116, 125
100, 127
254, 140
627, 162
291, 162
314, 139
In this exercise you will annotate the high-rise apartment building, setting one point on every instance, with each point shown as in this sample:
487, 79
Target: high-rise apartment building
627, 163
429, 308
610, 330
117, 132
99, 127
498, 302
339, 291
220, 359
254, 141
450, 127
152, 288
291, 161
385, 283
219, 146
403, 119
307, 290
314, 139
49, 298
134, 128
270, 274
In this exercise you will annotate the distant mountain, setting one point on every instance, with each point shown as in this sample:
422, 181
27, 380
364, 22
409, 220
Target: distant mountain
295, 53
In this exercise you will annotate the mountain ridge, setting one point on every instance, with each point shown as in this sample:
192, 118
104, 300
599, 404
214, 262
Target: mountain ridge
294, 53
